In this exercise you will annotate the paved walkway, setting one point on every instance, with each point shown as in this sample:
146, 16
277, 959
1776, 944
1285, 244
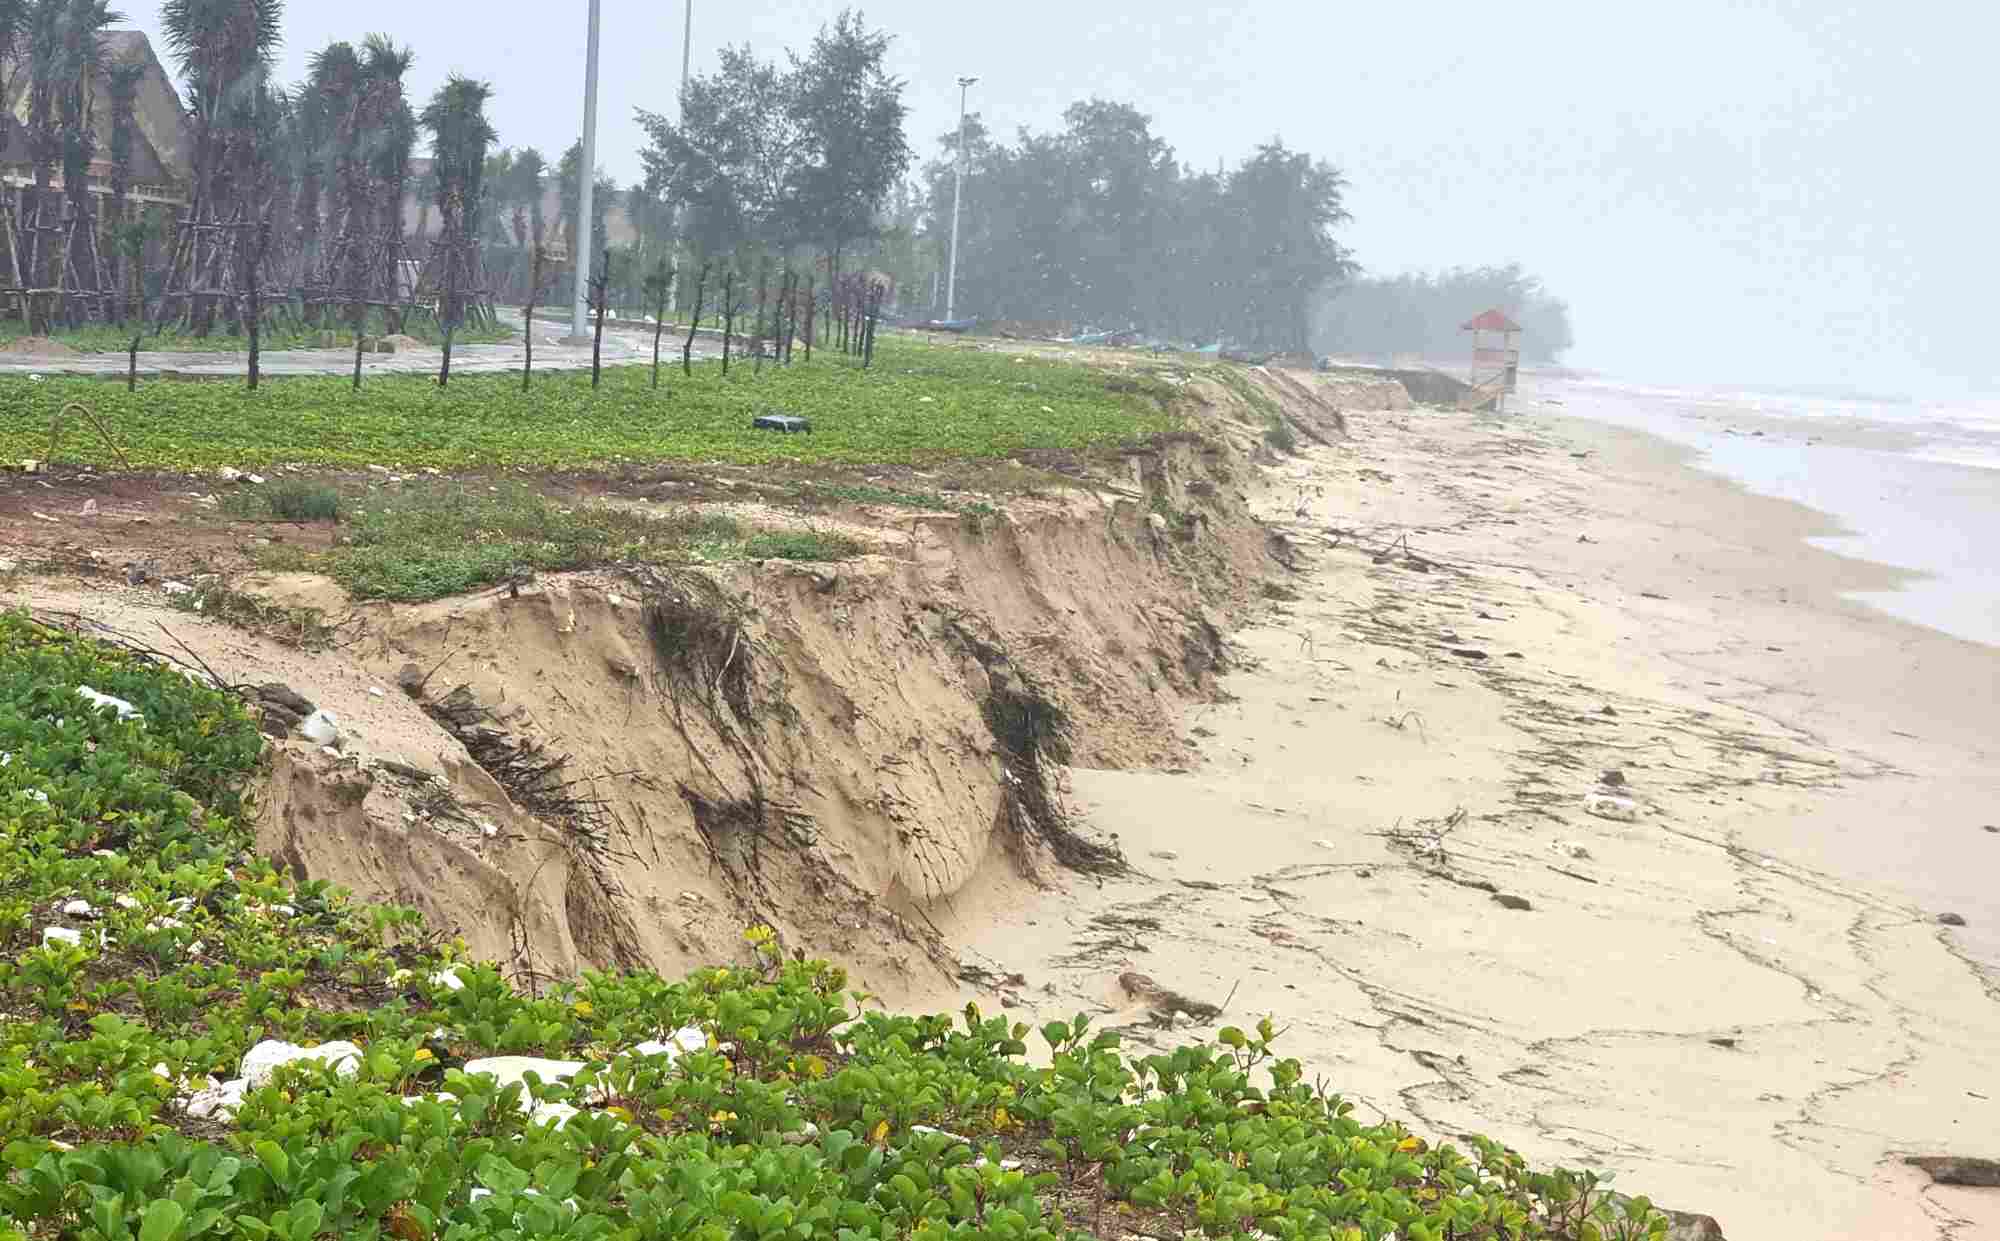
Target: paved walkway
623, 345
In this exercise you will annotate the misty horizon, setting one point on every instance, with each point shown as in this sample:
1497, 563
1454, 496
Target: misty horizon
1754, 195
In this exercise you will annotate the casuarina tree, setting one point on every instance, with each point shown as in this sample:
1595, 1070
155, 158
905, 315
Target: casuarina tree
852, 150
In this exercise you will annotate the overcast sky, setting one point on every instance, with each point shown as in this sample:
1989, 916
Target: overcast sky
1760, 190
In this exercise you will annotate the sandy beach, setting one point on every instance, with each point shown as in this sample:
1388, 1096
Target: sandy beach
1735, 992
1742, 1002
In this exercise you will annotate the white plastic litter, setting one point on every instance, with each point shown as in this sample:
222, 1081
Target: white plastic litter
557, 1113
321, 728
78, 909
62, 935
261, 1061
1605, 806
219, 1100
510, 1069
442, 1096
680, 1042
126, 711
448, 979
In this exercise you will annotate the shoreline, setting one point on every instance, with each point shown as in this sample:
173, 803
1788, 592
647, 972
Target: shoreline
1890, 497
1742, 1003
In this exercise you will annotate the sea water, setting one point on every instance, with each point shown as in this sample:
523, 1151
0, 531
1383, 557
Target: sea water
1913, 484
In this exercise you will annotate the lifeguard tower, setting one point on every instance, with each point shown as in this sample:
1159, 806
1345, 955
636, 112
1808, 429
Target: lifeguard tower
1496, 360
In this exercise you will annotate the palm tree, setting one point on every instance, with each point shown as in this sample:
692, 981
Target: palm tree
533, 172
13, 43
393, 136
42, 34
530, 176
338, 75
82, 63
123, 84
426, 196
60, 39
223, 48
383, 67
460, 136
318, 116
13, 57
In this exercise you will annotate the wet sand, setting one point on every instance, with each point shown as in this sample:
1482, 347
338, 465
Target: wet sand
1743, 1002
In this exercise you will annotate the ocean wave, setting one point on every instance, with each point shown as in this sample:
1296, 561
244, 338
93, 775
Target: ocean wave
1984, 457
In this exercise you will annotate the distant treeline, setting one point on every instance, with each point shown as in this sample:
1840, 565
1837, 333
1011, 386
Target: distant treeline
1421, 313
1099, 226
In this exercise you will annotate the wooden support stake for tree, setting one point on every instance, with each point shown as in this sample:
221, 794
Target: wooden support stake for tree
687, 349
812, 313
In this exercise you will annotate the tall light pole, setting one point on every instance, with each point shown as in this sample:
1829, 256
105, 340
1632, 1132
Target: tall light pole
957, 193
674, 219
588, 175
687, 44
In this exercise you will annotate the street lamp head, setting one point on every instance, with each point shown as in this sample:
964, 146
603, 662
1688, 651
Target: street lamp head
964, 81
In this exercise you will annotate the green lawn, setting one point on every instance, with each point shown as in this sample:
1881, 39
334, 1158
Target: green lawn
432, 539
919, 402
105, 338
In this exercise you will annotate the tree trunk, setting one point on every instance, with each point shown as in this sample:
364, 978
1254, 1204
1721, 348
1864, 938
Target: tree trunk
449, 306
763, 289
41, 263
788, 316
660, 318
254, 322
868, 328
603, 291
728, 316
694, 321
528, 319
832, 287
